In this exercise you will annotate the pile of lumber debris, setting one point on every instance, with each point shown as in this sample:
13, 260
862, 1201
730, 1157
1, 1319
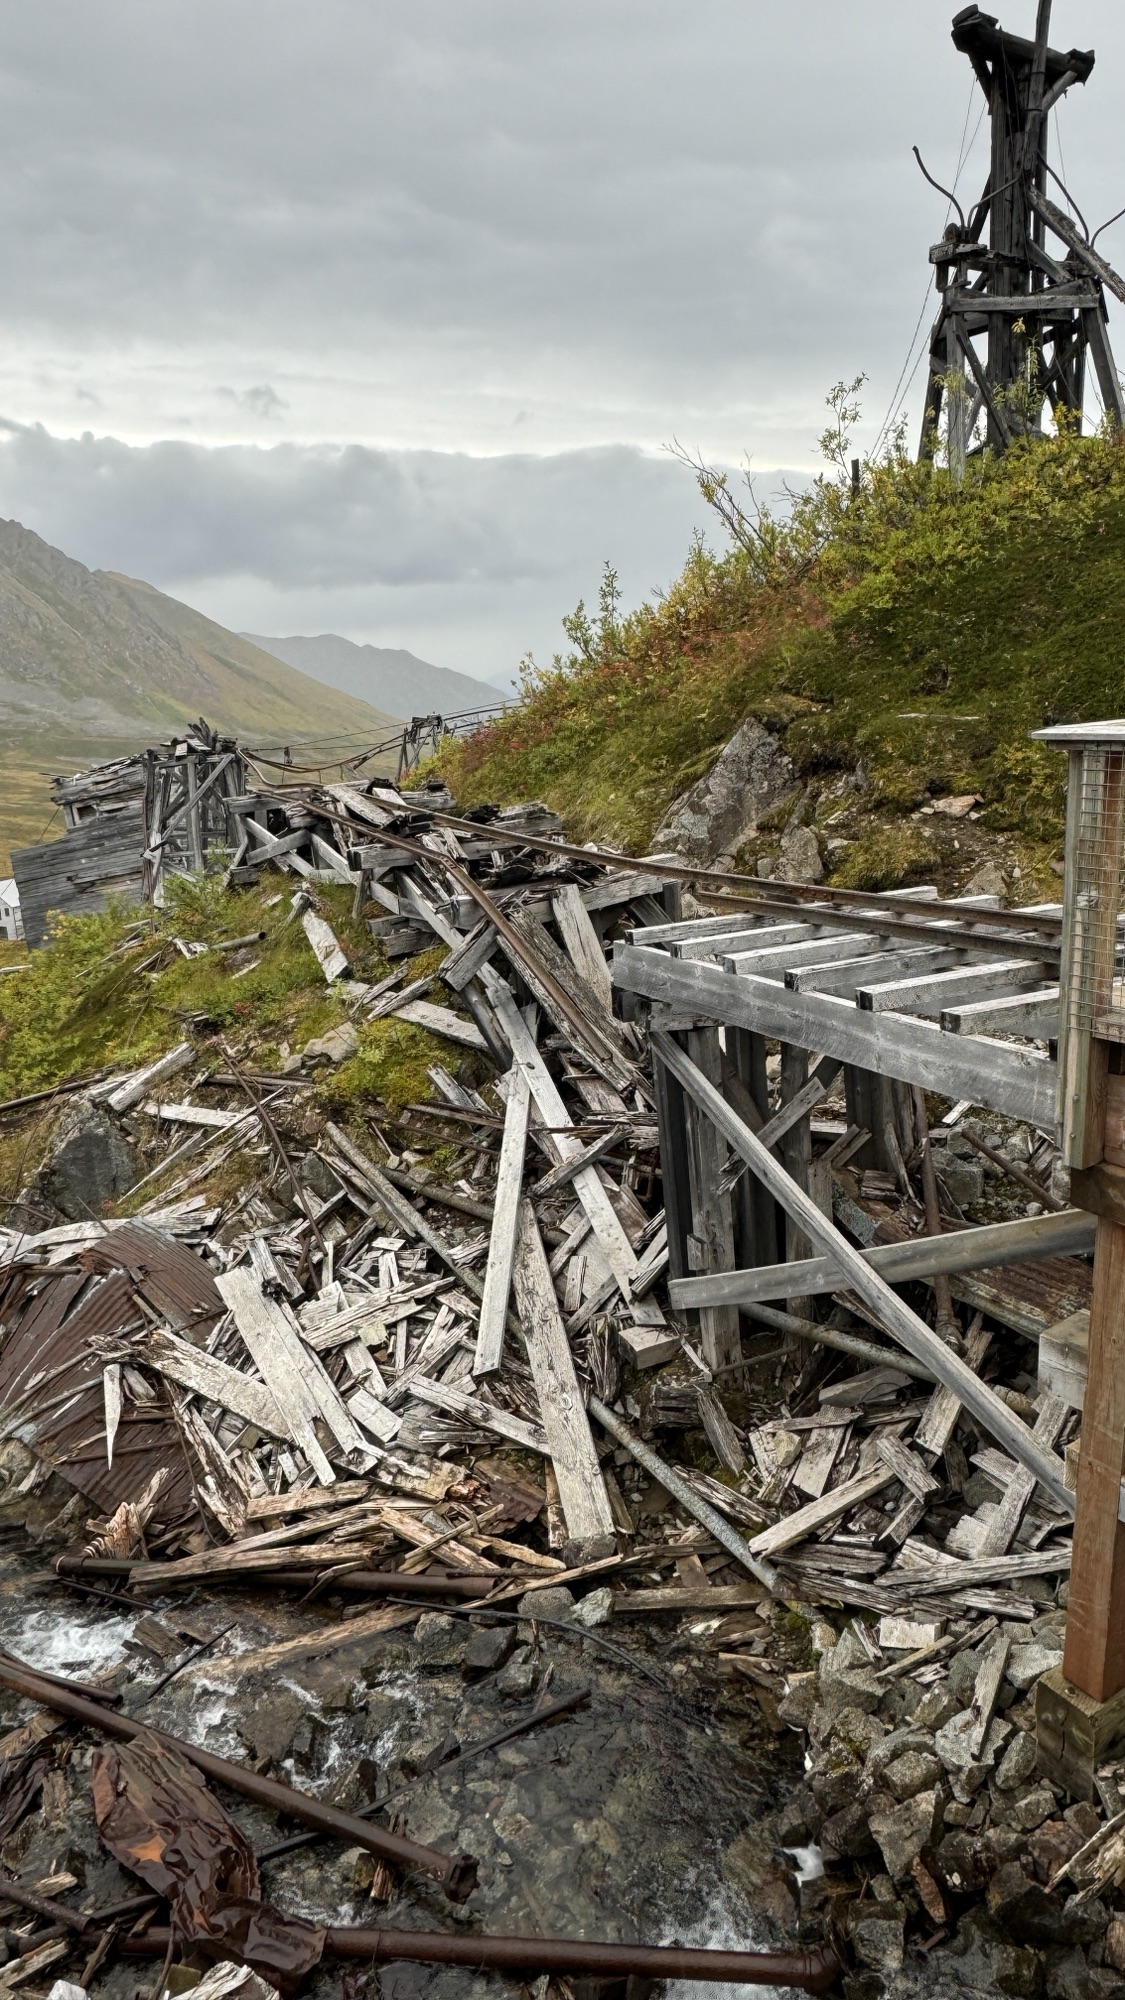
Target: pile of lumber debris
367, 1379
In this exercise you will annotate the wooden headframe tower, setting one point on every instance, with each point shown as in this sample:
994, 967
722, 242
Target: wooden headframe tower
1018, 322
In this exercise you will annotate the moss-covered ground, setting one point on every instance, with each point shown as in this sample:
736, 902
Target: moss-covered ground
114, 990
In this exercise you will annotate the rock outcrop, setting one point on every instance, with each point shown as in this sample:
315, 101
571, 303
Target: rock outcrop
749, 778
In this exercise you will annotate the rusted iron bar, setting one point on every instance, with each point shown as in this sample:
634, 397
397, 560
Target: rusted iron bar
906, 917
867, 1351
257, 1102
364, 1582
457, 1873
109, 1696
1013, 1172
30, 1941
811, 1971
667, 1476
56, 1090
750, 886
600, 1045
434, 1191
43, 1906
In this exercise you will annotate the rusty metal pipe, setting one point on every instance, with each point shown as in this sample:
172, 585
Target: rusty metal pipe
364, 1582
457, 1873
91, 1691
812, 1971
384, 1583
43, 1906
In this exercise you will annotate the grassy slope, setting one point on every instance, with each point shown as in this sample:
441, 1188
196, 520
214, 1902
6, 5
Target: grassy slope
93, 665
935, 627
93, 998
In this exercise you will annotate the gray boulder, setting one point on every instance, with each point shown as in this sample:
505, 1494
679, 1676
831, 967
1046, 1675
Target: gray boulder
799, 860
89, 1165
337, 1046
749, 778
1017, 1763
878, 1935
902, 1831
1028, 1664
846, 1678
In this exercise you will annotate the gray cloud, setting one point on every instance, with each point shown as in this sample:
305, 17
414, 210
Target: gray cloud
609, 221
464, 269
488, 551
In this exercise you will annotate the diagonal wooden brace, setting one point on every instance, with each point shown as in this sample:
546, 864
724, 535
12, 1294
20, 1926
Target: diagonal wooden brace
892, 1312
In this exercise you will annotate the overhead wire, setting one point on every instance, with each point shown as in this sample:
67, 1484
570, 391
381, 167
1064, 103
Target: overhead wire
903, 385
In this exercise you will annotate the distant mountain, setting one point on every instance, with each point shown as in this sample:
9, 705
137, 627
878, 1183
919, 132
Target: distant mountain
93, 665
388, 676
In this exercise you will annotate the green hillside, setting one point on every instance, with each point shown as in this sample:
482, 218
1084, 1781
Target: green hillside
902, 642
93, 665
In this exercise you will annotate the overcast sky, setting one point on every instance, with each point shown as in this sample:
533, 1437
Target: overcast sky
377, 318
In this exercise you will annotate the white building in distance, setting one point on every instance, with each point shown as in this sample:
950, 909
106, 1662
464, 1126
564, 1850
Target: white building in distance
11, 922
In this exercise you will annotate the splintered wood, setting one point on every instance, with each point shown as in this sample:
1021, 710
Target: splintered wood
380, 1360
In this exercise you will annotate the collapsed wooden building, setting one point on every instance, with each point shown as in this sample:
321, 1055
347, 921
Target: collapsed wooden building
783, 999
129, 824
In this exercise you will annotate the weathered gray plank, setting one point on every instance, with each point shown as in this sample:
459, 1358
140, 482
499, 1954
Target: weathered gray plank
1002, 1529
619, 1252
135, 1087
329, 954
278, 1356
582, 942
441, 1021
1035, 1013
582, 1493
794, 1528
851, 973
774, 960
479, 1411
505, 1226
1067, 1234
1000, 1075
194, 1369
934, 991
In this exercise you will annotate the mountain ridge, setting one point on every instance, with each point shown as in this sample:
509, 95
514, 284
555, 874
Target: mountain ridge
95, 664
388, 676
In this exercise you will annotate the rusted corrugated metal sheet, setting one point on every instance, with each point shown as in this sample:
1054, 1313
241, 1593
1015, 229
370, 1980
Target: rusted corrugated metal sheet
175, 1282
1028, 1297
51, 1394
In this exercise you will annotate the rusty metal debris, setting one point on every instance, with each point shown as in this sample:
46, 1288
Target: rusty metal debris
456, 1873
160, 1820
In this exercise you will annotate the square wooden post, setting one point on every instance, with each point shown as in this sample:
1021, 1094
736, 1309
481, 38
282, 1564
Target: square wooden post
1080, 1708
796, 1155
1094, 1659
711, 1246
671, 1129
755, 1211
